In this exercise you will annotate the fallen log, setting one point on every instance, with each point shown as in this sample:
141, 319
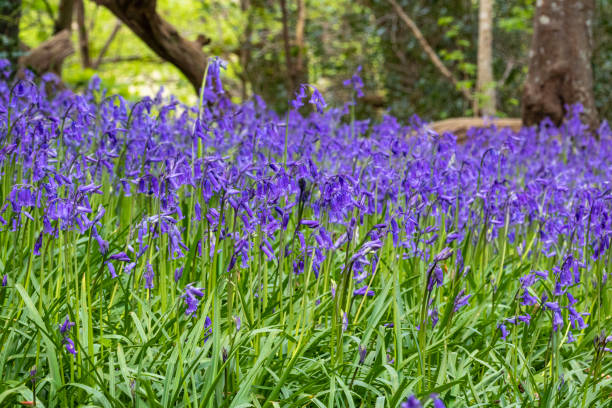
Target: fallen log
460, 126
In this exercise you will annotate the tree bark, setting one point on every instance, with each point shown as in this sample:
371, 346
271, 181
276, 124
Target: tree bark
83, 38
300, 69
63, 22
484, 103
64, 16
245, 47
560, 69
48, 56
286, 43
294, 57
10, 14
141, 17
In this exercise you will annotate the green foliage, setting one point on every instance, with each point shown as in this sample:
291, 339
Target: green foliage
137, 348
518, 18
340, 36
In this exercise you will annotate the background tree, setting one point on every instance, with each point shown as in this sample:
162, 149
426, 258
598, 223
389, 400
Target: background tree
83, 36
602, 58
333, 37
560, 69
294, 48
485, 84
64, 16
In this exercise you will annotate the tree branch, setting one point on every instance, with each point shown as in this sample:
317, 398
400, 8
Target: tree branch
107, 44
83, 38
288, 59
142, 18
130, 58
428, 50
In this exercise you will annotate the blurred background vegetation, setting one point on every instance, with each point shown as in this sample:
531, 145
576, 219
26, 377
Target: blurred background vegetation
339, 36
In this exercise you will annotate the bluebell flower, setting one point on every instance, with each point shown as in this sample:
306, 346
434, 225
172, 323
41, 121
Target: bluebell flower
528, 299
38, 244
190, 297
434, 316
207, 325
557, 316
67, 341
309, 223
356, 82
111, 269
65, 326
317, 100
437, 402
461, 300
443, 255
363, 352
178, 272
437, 278
149, 275
411, 402
297, 102
364, 290
121, 256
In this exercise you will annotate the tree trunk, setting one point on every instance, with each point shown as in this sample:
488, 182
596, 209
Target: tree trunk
10, 13
83, 38
140, 16
300, 69
291, 85
560, 69
245, 47
62, 23
484, 102
64, 16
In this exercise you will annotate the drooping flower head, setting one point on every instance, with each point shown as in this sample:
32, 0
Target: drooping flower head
66, 326
461, 300
411, 402
363, 352
355, 82
67, 341
149, 275
191, 298
315, 98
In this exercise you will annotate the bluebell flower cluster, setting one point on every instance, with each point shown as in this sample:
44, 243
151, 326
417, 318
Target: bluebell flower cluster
213, 182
